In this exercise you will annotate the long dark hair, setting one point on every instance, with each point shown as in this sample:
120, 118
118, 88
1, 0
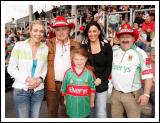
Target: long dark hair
88, 27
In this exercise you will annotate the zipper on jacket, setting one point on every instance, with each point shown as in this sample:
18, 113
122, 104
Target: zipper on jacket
123, 57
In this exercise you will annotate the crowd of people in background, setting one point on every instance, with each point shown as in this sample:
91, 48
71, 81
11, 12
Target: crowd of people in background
144, 22
93, 23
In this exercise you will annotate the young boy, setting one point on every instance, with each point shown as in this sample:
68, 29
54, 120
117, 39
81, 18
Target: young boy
78, 86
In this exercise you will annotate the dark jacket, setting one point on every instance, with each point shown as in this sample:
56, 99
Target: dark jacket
102, 63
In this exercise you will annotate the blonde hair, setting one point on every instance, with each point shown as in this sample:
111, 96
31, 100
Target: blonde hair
39, 22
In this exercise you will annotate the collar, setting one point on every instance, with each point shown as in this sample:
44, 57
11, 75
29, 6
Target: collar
132, 47
74, 70
67, 43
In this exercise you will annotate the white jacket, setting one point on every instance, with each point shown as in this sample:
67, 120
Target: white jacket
20, 64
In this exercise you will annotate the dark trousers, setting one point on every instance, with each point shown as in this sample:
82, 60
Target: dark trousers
152, 100
55, 101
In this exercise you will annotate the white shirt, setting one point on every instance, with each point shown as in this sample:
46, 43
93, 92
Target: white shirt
62, 60
128, 68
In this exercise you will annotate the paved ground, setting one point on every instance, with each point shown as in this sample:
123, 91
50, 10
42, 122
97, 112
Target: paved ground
10, 108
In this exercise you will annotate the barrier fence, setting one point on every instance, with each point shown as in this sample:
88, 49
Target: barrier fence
131, 12
132, 16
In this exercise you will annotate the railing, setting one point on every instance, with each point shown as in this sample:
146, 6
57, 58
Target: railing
132, 16
141, 10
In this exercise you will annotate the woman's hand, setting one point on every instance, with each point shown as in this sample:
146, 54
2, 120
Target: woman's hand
33, 82
97, 81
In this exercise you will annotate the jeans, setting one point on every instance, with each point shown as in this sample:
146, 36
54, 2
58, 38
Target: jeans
100, 109
28, 103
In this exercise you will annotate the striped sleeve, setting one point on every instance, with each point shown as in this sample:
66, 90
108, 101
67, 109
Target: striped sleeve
146, 69
91, 80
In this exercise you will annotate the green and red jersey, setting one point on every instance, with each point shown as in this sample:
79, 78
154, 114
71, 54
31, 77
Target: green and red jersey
77, 89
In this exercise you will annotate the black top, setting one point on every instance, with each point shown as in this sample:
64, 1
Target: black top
102, 63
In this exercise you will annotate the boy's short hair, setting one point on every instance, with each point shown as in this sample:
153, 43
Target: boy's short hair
81, 51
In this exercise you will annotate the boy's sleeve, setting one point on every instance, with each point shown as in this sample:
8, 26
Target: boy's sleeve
91, 80
64, 84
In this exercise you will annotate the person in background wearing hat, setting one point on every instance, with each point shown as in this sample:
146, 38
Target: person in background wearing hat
130, 65
58, 63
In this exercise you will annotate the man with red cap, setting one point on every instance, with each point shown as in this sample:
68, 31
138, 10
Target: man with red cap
130, 65
58, 63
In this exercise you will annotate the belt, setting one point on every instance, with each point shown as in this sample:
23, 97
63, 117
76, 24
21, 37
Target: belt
58, 81
122, 91
127, 92
31, 90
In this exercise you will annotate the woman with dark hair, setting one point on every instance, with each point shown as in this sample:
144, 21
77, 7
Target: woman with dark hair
100, 58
